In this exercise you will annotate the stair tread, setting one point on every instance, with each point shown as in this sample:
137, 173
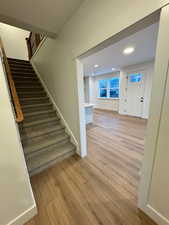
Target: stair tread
38, 131
48, 156
22, 78
43, 137
21, 74
13, 67
18, 60
20, 66
21, 70
36, 105
32, 93
39, 112
51, 140
40, 121
30, 87
33, 98
28, 82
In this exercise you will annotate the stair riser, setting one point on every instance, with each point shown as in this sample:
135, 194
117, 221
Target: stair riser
27, 84
22, 69
30, 89
25, 79
24, 95
21, 74
29, 139
41, 126
35, 109
13, 62
26, 125
34, 144
40, 116
51, 163
33, 101
49, 148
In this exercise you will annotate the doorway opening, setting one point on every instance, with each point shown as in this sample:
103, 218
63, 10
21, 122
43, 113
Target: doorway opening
117, 81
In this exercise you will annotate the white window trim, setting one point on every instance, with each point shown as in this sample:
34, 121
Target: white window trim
108, 89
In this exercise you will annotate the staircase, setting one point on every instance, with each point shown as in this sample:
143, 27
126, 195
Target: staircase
43, 137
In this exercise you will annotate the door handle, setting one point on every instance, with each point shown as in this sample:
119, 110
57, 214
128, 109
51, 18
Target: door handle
142, 99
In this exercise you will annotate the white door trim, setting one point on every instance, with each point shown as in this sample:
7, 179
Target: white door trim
157, 98
82, 123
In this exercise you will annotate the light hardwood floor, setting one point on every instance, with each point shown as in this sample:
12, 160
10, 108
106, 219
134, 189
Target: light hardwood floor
102, 188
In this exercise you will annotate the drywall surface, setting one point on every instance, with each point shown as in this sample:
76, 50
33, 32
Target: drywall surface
56, 58
148, 70
93, 23
15, 190
14, 41
49, 63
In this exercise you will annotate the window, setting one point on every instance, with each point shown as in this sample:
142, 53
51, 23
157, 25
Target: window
136, 77
109, 88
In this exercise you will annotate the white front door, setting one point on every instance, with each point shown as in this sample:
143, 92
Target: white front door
135, 94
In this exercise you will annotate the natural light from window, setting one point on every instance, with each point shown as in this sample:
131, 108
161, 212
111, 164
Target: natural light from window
109, 88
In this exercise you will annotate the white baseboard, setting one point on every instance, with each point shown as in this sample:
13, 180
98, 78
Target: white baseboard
25, 216
104, 109
156, 216
63, 121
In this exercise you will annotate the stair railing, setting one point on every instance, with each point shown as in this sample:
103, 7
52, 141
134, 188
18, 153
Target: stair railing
33, 42
15, 98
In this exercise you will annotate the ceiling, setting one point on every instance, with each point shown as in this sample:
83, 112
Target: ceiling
38, 15
144, 42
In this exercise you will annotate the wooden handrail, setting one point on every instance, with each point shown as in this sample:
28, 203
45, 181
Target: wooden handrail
15, 98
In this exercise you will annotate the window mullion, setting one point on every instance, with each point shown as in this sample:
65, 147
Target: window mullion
109, 88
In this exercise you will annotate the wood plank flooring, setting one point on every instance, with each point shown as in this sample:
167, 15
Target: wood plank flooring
102, 188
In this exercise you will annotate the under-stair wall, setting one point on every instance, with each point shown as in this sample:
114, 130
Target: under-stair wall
63, 121
65, 103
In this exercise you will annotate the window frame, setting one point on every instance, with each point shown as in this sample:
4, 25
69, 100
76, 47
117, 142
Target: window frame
108, 88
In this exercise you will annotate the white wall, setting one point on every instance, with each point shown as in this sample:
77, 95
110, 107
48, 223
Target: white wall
94, 22
87, 88
148, 69
14, 41
100, 103
17, 201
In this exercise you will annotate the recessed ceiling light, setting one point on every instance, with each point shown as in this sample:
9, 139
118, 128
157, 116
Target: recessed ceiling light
128, 50
96, 65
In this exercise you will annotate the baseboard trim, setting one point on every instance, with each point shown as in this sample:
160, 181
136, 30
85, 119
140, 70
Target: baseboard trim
158, 217
63, 121
145, 218
106, 110
25, 216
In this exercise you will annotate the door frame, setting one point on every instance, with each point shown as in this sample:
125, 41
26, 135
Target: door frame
158, 90
156, 107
